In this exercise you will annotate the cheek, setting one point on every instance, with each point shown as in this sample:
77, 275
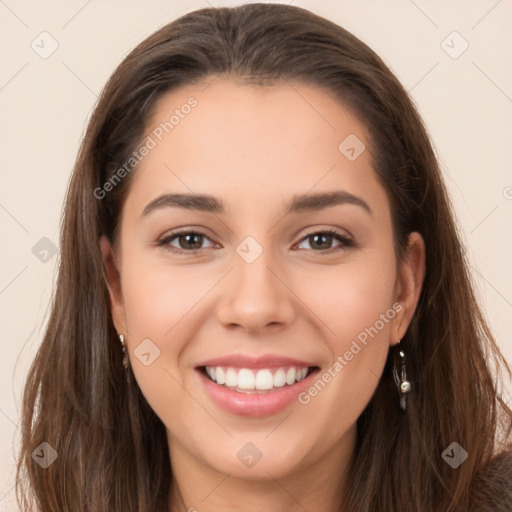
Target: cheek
165, 304
356, 306
158, 303
157, 297
158, 306
350, 298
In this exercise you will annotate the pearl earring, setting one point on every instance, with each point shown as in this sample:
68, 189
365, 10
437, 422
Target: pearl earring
125, 352
402, 384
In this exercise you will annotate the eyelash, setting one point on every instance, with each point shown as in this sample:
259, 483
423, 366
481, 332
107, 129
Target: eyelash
345, 241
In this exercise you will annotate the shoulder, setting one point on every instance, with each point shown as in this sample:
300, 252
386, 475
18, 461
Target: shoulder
492, 486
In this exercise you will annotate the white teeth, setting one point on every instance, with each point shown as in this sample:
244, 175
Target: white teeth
245, 379
219, 375
231, 378
279, 378
264, 380
290, 376
260, 380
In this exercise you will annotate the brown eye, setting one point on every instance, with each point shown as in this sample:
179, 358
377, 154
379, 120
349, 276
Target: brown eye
321, 241
190, 241
187, 241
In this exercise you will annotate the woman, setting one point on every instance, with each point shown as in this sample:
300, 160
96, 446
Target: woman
203, 351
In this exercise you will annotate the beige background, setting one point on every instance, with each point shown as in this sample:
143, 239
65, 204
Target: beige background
45, 103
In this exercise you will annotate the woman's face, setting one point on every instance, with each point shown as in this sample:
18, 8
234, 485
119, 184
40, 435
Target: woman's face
298, 320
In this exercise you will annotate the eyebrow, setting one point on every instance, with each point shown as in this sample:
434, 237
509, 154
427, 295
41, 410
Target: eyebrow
299, 203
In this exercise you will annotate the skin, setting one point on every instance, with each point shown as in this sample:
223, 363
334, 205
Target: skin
255, 147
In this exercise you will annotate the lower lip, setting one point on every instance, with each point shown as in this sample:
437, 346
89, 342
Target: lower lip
254, 404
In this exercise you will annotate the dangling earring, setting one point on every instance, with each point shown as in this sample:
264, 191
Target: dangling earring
125, 352
402, 384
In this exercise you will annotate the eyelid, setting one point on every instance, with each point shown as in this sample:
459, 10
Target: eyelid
328, 229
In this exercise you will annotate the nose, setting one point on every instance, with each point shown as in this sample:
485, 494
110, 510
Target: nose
256, 296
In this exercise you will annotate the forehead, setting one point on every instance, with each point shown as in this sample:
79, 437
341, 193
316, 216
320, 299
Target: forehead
254, 144
240, 116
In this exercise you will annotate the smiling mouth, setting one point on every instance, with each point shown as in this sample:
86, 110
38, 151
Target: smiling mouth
261, 380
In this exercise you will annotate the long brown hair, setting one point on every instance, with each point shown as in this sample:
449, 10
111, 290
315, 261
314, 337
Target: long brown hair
112, 448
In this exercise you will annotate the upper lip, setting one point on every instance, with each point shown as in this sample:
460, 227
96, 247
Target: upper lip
246, 361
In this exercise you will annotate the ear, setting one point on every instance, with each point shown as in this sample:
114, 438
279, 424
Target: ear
409, 285
114, 284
